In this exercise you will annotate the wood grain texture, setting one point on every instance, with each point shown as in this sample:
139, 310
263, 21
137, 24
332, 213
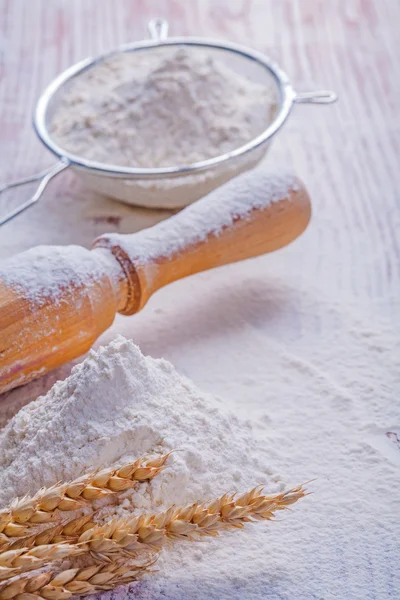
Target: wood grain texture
38, 336
264, 229
347, 155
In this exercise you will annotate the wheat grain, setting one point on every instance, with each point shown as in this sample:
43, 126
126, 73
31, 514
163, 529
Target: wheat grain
146, 532
67, 531
144, 535
149, 532
26, 514
72, 582
14, 562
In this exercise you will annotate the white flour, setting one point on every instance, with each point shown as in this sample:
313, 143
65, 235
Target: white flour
322, 398
116, 406
163, 108
294, 340
47, 272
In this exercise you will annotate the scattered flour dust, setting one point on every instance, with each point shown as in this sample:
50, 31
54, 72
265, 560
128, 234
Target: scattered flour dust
45, 272
50, 271
322, 395
257, 189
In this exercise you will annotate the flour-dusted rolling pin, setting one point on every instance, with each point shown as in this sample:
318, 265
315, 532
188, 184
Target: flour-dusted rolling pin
55, 301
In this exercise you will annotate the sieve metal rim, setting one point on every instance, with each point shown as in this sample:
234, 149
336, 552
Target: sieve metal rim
287, 99
158, 29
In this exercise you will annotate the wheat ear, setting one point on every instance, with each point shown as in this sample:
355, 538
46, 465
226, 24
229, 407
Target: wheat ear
14, 562
147, 533
68, 531
29, 512
71, 582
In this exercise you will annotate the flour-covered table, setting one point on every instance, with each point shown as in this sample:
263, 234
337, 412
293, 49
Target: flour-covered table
303, 343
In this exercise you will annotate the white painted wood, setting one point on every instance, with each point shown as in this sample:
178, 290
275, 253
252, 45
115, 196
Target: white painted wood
347, 154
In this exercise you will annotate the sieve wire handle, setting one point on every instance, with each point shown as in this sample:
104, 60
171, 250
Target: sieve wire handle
44, 177
158, 29
318, 97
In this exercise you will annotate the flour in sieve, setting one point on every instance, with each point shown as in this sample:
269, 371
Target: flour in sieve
160, 108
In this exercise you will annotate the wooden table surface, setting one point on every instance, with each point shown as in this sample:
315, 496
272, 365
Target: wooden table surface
347, 154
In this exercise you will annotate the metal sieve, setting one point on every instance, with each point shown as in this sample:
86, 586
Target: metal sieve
159, 187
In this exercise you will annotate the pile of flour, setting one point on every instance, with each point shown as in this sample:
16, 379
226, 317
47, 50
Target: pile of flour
319, 378
159, 109
119, 405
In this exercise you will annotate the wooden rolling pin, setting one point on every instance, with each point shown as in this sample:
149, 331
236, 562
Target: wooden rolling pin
55, 301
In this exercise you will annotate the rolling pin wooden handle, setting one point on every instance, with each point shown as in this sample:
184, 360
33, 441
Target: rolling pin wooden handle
251, 215
44, 324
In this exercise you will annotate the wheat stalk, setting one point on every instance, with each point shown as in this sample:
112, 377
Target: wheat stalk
72, 582
140, 536
26, 514
149, 532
